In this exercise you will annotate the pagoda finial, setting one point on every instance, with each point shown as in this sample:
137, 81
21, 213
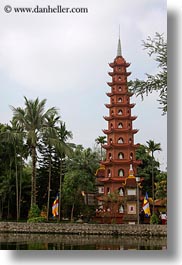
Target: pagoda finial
119, 45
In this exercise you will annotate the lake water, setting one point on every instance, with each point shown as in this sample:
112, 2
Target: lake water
11, 241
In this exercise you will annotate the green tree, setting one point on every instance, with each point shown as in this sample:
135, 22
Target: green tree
9, 140
161, 185
14, 184
156, 47
153, 147
63, 149
144, 170
50, 138
79, 178
11, 137
100, 140
32, 120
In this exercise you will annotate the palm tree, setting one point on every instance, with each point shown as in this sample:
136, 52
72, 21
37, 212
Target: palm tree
32, 120
63, 149
152, 147
13, 138
101, 140
50, 139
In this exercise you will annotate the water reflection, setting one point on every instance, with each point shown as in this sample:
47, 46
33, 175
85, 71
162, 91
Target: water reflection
10, 241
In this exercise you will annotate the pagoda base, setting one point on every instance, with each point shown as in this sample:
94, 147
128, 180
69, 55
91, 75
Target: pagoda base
108, 218
130, 219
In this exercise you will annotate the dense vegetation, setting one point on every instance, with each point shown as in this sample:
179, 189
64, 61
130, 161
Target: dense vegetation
38, 161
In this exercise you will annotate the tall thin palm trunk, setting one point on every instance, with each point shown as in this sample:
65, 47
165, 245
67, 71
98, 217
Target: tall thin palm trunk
72, 212
60, 188
49, 188
152, 147
153, 193
33, 180
20, 189
17, 192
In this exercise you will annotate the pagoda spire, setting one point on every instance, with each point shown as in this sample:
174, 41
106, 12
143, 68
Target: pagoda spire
119, 45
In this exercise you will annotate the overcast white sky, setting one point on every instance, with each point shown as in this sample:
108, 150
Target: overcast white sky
64, 58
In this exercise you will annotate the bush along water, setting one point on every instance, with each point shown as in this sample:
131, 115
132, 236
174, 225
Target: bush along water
154, 219
34, 215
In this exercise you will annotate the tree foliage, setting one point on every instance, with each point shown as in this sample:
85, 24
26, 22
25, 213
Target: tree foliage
79, 180
144, 170
156, 47
32, 120
161, 185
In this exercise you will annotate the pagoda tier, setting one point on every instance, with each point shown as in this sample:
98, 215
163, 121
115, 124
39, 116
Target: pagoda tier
118, 117
116, 83
110, 94
118, 104
118, 73
116, 130
118, 146
112, 180
123, 63
120, 162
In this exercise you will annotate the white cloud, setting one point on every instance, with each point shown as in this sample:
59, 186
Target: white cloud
45, 51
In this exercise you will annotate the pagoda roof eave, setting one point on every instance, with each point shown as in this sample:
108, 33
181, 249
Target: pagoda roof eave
121, 161
119, 73
110, 94
119, 130
112, 65
111, 146
120, 117
116, 83
113, 179
120, 104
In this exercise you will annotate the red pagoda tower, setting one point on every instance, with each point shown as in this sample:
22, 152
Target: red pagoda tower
117, 193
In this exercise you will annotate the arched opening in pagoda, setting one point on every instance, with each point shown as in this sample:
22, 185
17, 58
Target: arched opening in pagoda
120, 125
121, 192
131, 156
109, 173
108, 190
120, 140
121, 209
110, 156
120, 112
121, 155
121, 173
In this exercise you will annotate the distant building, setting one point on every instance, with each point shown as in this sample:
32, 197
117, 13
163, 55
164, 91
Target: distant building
116, 181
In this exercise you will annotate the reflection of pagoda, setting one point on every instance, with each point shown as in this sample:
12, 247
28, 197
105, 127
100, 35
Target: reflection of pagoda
116, 191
